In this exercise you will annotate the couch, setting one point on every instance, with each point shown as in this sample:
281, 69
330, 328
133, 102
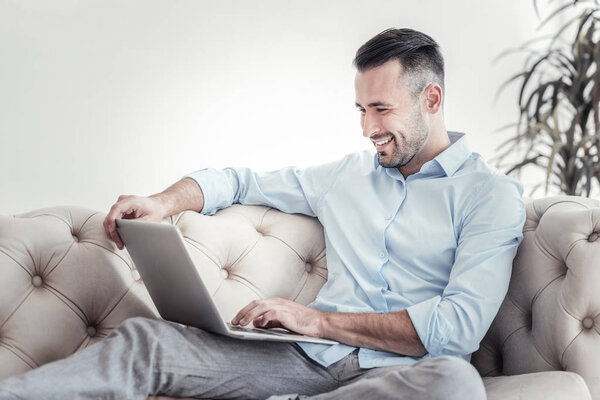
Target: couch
64, 286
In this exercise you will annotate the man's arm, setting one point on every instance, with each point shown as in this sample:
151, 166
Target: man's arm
182, 195
208, 190
289, 189
392, 332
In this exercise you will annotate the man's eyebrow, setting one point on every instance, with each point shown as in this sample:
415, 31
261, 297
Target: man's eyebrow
375, 104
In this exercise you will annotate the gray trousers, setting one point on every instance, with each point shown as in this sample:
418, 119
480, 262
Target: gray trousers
144, 357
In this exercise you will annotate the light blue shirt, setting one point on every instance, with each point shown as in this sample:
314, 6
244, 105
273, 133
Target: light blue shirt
439, 244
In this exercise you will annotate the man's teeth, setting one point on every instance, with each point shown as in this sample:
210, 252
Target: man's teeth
383, 142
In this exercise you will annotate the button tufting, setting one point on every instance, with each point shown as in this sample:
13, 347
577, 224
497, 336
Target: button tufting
593, 237
588, 322
308, 267
37, 281
224, 273
135, 275
75, 237
91, 330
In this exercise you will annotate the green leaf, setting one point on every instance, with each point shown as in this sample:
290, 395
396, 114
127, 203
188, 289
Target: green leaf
532, 160
583, 18
523, 48
554, 14
507, 82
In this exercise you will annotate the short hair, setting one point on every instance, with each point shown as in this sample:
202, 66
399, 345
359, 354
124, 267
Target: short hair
417, 52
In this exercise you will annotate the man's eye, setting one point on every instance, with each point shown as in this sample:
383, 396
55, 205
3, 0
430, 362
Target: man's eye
381, 109
362, 111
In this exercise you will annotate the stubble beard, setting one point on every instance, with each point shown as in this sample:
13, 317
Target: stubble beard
401, 156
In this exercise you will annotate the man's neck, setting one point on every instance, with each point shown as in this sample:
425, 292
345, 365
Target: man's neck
437, 143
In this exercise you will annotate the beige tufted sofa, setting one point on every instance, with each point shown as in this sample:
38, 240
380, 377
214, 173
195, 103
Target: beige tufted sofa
64, 286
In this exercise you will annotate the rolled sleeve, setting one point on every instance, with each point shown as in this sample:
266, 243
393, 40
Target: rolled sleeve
217, 188
456, 322
433, 328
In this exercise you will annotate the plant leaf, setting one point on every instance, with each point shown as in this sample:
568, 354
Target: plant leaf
532, 160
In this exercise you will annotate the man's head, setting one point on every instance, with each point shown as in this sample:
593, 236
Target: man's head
399, 86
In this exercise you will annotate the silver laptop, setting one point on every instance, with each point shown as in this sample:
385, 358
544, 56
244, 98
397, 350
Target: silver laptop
176, 288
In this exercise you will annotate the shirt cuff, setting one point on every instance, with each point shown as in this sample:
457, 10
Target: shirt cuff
217, 191
433, 328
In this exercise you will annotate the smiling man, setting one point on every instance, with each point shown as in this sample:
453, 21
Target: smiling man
420, 239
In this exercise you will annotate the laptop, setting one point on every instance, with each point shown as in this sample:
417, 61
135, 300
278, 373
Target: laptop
176, 288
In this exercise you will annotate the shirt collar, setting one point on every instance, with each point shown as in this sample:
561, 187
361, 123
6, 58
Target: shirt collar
450, 159
454, 156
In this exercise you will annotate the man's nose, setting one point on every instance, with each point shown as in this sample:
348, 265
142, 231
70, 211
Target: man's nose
370, 126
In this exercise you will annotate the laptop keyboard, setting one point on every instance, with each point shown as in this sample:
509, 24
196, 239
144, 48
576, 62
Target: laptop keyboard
274, 331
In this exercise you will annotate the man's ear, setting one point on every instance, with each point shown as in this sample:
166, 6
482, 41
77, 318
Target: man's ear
432, 98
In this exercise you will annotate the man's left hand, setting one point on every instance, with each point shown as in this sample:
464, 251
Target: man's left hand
281, 313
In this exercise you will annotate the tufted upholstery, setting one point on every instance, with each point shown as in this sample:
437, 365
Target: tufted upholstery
64, 286
550, 318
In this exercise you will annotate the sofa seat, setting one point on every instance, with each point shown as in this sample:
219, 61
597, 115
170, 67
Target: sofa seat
549, 385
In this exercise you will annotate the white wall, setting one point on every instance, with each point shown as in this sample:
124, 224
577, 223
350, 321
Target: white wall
100, 98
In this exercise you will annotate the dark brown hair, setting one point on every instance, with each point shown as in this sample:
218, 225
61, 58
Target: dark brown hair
418, 54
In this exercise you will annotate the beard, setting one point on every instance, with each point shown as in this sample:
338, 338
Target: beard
405, 146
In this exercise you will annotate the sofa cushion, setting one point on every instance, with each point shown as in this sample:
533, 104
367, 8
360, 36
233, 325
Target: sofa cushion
549, 385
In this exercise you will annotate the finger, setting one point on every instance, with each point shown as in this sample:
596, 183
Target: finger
269, 310
116, 211
117, 239
260, 307
114, 236
109, 221
255, 313
267, 320
244, 311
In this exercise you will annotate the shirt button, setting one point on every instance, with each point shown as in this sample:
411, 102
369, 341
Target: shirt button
382, 255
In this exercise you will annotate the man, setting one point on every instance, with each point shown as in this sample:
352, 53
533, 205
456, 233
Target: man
420, 241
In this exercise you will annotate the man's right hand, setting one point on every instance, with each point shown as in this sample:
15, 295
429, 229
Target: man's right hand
132, 207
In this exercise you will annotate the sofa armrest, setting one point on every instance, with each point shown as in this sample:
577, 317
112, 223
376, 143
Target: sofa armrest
63, 286
550, 318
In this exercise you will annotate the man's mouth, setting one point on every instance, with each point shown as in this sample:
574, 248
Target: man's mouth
379, 145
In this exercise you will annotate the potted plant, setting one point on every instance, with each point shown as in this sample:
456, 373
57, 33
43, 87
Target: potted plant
558, 128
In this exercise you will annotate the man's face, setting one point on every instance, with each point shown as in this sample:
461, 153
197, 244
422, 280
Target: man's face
390, 117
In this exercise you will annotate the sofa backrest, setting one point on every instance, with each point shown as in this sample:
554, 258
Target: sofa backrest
245, 253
